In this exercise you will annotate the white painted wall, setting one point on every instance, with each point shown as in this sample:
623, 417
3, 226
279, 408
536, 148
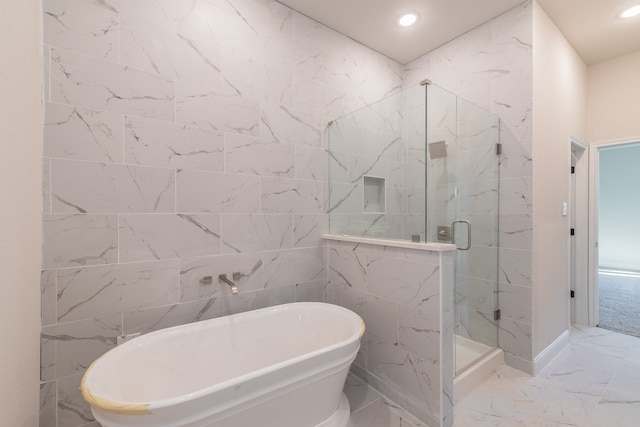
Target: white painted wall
613, 105
559, 110
21, 210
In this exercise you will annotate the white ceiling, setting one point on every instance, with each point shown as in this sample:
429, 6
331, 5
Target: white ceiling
591, 26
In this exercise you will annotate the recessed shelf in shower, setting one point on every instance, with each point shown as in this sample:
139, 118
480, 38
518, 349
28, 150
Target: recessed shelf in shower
374, 195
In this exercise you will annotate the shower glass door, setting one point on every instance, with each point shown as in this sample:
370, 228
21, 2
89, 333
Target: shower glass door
462, 208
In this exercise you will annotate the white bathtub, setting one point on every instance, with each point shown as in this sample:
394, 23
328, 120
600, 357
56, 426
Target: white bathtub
281, 366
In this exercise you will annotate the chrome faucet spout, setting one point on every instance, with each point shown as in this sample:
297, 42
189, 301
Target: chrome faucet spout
234, 288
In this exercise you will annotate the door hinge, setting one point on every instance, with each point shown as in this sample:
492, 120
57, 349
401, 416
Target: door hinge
498, 148
573, 294
573, 231
496, 314
573, 169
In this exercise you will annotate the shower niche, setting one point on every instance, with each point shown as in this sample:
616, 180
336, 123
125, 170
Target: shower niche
373, 197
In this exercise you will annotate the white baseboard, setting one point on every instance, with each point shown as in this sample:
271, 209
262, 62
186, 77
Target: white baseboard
551, 352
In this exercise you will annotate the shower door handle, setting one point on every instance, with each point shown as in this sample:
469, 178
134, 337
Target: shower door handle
453, 233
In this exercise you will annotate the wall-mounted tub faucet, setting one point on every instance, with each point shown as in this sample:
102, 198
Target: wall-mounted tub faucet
234, 288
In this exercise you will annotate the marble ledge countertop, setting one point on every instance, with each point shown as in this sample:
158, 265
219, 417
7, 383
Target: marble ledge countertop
428, 246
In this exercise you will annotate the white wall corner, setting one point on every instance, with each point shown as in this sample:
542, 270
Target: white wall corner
518, 363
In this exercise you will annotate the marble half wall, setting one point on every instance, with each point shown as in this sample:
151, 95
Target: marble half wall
405, 297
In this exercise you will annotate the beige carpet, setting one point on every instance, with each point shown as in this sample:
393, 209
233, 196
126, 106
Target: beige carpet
619, 297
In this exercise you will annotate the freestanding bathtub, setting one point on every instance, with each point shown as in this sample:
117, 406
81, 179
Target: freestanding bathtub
282, 366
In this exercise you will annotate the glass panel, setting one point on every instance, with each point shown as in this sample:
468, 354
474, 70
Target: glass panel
367, 153
462, 192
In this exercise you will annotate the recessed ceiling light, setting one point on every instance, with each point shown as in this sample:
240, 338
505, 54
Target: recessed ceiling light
631, 12
408, 19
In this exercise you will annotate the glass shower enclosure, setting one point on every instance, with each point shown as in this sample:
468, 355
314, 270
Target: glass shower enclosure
424, 162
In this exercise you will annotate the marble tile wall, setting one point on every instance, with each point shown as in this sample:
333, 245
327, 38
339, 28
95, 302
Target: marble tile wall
491, 67
183, 138
368, 144
405, 297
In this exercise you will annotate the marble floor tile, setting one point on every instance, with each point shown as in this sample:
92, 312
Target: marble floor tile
594, 382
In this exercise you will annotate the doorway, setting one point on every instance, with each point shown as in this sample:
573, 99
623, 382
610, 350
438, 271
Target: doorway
618, 232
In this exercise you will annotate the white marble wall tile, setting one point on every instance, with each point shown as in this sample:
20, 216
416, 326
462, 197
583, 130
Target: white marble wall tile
145, 321
46, 73
77, 240
101, 85
48, 403
516, 195
261, 17
345, 198
257, 156
516, 231
326, 100
381, 318
46, 186
258, 299
81, 134
78, 344
404, 282
209, 108
281, 195
289, 125
516, 338
192, 270
157, 48
288, 267
416, 379
161, 236
48, 299
309, 291
256, 232
90, 28
348, 265
419, 330
208, 192
515, 267
311, 163
97, 291
256, 80
72, 408
517, 158
515, 302
479, 262
308, 229
156, 143
152, 10
88, 187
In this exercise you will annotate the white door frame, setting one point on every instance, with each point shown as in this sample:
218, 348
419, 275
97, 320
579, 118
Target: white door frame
579, 220
594, 161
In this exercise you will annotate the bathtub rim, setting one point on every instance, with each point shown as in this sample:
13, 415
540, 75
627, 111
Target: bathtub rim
144, 408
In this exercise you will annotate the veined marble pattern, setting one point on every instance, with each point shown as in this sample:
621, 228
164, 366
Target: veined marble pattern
81, 134
205, 192
102, 85
85, 27
161, 236
211, 108
250, 155
592, 383
97, 291
157, 143
72, 240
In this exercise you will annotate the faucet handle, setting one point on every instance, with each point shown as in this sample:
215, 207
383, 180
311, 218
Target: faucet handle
237, 276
